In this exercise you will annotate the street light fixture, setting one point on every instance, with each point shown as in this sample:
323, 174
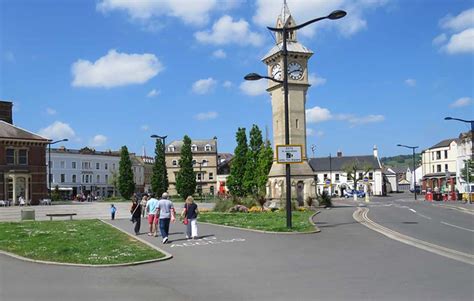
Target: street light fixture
472, 131
49, 163
200, 176
414, 166
337, 14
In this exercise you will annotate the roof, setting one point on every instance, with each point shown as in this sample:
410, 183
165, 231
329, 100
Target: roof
178, 144
399, 169
10, 131
444, 143
291, 46
338, 163
85, 151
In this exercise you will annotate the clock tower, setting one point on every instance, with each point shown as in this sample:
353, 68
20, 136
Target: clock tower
302, 176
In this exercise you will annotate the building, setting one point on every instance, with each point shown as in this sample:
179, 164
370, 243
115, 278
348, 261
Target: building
147, 163
205, 164
464, 154
22, 161
439, 166
223, 172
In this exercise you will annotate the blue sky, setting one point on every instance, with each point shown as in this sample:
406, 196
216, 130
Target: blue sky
108, 73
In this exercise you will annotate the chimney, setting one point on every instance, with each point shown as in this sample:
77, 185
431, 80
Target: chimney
376, 151
339, 153
6, 111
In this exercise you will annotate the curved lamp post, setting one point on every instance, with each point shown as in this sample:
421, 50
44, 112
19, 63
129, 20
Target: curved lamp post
49, 163
472, 131
337, 14
414, 166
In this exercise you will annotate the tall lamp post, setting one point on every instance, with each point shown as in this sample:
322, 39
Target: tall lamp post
200, 177
49, 163
337, 14
414, 166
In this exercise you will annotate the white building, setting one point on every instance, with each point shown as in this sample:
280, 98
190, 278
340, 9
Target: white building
464, 153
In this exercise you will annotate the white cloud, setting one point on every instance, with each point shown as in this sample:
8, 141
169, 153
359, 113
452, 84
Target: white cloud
254, 88
354, 120
206, 116
226, 31
50, 111
312, 132
410, 82
318, 114
145, 127
227, 84
304, 10
98, 140
461, 36
204, 86
461, 102
57, 130
115, 69
462, 42
9, 56
153, 93
220, 54
315, 80
190, 12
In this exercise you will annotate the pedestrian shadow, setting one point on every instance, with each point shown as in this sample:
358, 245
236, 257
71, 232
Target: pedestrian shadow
186, 239
328, 225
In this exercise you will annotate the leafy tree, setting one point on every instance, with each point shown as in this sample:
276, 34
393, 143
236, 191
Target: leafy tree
186, 178
467, 172
113, 180
159, 177
55, 196
353, 169
264, 164
250, 175
237, 169
126, 185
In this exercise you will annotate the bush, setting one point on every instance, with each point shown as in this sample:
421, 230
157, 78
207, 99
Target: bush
256, 209
223, 205
309, 201
294, 205
239, 208
325, 200
247, 202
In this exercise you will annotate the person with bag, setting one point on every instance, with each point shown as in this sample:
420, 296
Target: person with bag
189, 215
151, 209
136, 218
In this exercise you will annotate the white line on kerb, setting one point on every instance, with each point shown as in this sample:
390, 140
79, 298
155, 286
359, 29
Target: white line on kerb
447, 224
412, 210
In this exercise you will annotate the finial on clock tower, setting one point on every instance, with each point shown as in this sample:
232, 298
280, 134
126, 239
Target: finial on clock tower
285, 19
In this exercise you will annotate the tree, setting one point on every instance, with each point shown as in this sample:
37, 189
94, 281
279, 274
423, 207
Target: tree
186, 177
159, 177
56, 196
250, 182
237, 169
467, 172
353, 169
113, 180
126, 185
264, 164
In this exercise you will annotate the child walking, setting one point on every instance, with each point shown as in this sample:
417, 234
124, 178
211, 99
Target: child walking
112, 211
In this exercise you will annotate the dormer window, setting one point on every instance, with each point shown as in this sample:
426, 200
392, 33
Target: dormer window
194, 148
208, 147
171, 148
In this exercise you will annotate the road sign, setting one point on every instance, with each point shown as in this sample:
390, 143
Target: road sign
289, 154
327, 181
366, 179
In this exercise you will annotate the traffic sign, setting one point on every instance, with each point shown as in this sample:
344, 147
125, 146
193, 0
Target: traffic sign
327, 181
289, 154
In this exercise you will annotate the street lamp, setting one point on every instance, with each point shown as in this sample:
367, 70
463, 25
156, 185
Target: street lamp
472, 132
414, 166
200, 176
49, 162
337, 14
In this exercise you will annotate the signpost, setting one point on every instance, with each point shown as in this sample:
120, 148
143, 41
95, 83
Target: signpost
287, 154
366, 181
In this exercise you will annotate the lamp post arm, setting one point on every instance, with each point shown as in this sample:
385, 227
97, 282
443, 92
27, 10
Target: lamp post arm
297, 26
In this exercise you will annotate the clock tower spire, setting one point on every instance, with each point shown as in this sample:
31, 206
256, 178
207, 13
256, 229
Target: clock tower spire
302, 176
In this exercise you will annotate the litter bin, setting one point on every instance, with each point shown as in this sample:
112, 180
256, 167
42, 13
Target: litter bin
28, 214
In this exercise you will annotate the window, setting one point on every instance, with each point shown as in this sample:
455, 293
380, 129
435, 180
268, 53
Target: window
74, 178
211, 189
194, 162
107, 178
98, 179
297, 123
208, 148
371, 175
438, 155
199, 176
337, 177
62, 164
211, 176
113, 166
106, 166
360, 175
73, 165
63, 178
445, 166
171, 148
204, 162
97, 165
16, 156
194, 148
432, 168
10, 156
23, 157
446, 154
438, 168
325, 176
432, 156
175, 163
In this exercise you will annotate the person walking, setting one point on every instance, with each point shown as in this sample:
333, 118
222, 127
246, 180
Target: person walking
166, 214
136, 212
112, 211
143, 203
151, 210
190, 214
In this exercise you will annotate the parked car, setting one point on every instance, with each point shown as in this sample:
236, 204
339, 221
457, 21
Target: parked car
350, 194
418, 189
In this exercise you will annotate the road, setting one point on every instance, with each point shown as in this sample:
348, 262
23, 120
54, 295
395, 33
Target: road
345, 261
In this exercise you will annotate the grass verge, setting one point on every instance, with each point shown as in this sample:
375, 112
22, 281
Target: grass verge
264, 221
82, 242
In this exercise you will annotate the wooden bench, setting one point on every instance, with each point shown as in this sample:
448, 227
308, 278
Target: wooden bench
51, 215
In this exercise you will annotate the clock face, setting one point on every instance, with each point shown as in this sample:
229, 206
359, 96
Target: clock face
295, 71
276, 71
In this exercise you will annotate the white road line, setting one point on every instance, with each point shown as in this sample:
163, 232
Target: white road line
427, 217
447, 224
412, 210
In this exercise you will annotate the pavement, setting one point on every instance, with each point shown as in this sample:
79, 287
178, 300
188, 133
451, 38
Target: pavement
345, 261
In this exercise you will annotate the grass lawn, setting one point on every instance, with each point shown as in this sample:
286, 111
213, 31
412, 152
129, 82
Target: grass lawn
84, 241
266, 221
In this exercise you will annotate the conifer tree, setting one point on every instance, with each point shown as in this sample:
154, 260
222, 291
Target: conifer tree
237, 169
126, 184
255, 146
159, 178
264, 164
186, 177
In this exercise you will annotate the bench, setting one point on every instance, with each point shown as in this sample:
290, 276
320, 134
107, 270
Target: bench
51, 215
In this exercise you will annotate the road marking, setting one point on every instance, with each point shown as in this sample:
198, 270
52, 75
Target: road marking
206, 241
360, 215
447, 224
427, 217
412, 210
